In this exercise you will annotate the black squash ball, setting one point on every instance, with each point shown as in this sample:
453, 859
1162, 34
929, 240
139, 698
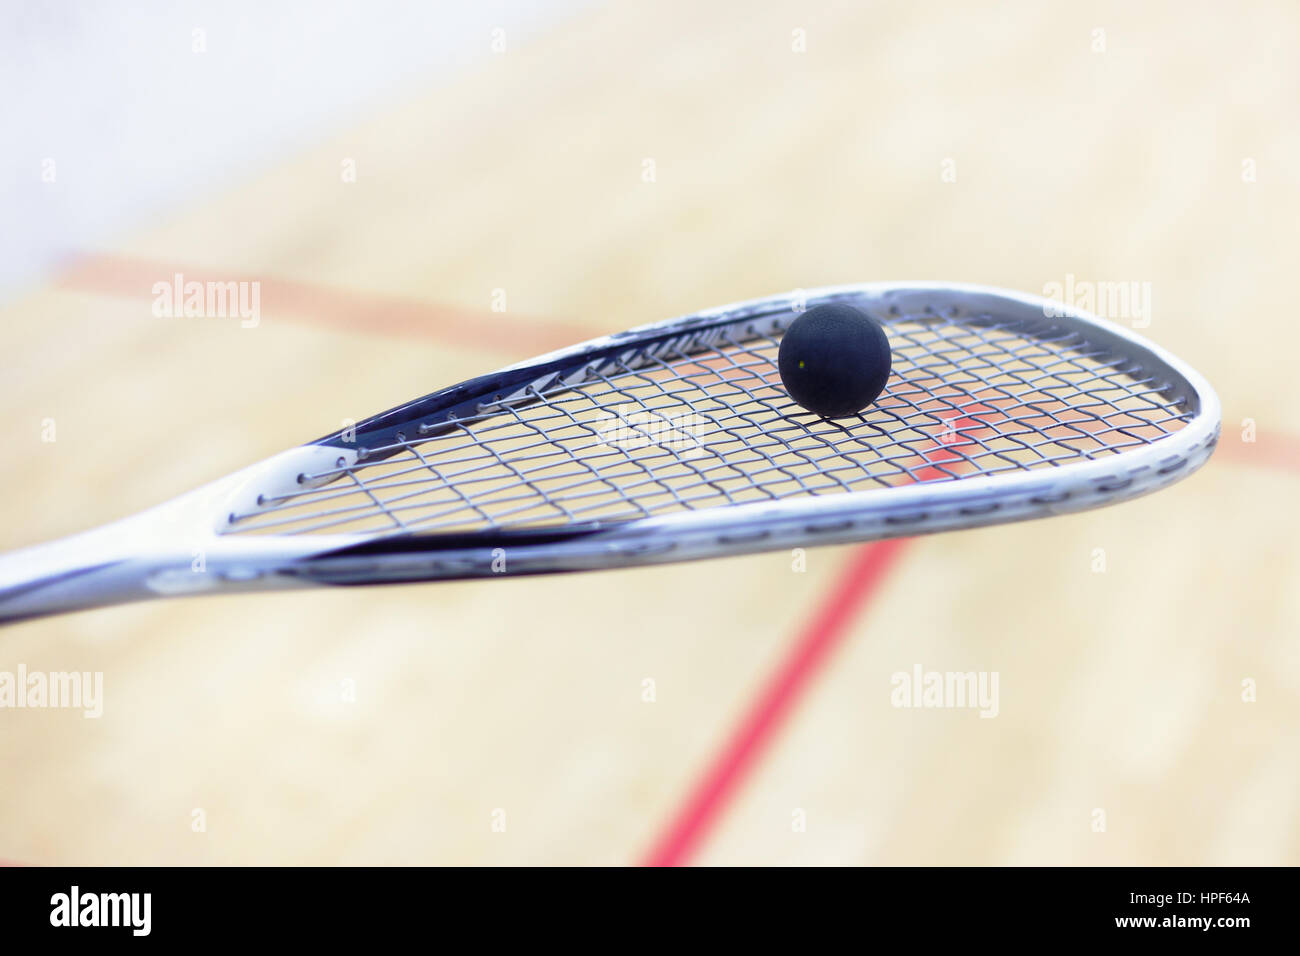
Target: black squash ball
834, 360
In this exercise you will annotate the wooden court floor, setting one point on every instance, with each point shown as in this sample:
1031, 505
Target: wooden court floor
638, 162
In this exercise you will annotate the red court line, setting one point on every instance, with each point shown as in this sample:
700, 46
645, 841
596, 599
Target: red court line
755, 732
352, 311
1270, 450
346, 310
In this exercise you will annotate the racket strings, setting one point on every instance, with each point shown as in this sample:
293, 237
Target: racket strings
653, 434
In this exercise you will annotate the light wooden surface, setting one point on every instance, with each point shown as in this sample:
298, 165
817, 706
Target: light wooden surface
774, 170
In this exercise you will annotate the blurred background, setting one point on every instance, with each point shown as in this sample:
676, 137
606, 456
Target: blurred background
392, 175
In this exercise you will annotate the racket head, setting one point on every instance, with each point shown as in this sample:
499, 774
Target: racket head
676, 440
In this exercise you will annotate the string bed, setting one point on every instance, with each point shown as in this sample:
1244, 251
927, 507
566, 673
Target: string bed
968, 396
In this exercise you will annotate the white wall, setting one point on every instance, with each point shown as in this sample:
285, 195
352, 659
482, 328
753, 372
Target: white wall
135, 120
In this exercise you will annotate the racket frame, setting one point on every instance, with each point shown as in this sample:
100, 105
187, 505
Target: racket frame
184, 546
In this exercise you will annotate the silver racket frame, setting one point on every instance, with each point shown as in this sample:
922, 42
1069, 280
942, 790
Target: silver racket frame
180, 547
